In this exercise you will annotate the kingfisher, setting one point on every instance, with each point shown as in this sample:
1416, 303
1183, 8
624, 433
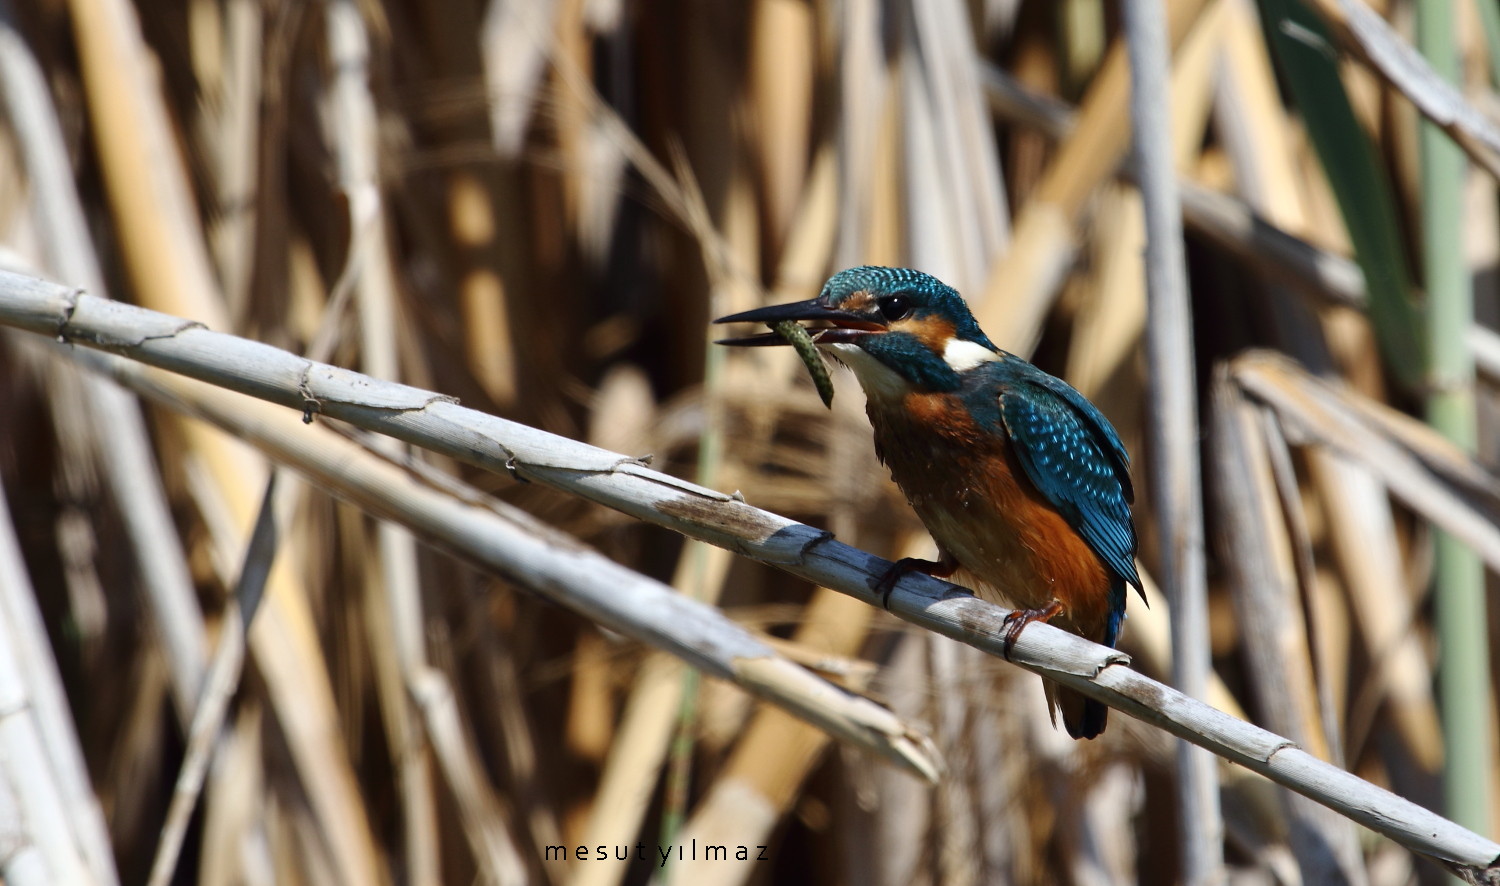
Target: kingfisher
1021, 481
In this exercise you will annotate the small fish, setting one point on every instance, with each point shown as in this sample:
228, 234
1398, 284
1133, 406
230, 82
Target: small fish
797, 336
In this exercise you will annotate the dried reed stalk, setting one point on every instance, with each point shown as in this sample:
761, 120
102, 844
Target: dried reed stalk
150, 197
41, 766
1266, 597
397, 643
552, 255
1373, 40
1022, 284
1176, 480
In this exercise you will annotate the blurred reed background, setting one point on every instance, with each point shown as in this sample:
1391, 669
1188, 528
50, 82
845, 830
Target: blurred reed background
537, 206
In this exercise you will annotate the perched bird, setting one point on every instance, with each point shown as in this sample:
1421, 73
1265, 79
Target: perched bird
1021, 481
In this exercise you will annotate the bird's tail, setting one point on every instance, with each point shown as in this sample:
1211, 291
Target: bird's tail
1082, 716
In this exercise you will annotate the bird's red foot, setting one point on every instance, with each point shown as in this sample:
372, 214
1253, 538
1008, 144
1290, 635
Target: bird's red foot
1018, 619
936, 568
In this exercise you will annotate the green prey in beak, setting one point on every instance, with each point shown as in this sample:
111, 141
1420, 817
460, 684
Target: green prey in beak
784, 320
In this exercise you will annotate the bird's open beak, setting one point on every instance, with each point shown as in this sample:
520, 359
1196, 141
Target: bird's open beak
844, 325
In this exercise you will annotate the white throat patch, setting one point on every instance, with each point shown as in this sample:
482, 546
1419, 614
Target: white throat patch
961, 355
879, 381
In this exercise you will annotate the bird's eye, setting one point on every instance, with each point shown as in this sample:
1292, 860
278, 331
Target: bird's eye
894, 307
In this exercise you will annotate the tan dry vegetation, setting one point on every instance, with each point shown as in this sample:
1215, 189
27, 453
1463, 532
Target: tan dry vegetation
537, 206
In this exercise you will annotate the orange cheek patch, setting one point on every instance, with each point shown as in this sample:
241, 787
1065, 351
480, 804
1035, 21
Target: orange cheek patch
934, 332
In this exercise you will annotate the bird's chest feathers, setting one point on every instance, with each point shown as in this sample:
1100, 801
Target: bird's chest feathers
955, 473
971, 494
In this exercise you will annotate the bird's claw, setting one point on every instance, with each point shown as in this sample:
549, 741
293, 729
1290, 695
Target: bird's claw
900, 568
1018, 619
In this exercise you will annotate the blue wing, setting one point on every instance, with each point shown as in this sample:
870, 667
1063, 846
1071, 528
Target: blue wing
1072, 455
1095, 421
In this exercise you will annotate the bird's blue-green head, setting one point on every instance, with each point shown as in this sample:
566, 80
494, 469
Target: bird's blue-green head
898, 329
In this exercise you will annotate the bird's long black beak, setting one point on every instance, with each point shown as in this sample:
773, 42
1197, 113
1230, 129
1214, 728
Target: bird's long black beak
812, 309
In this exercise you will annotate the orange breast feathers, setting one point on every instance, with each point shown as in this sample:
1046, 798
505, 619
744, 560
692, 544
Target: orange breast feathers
971, 494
